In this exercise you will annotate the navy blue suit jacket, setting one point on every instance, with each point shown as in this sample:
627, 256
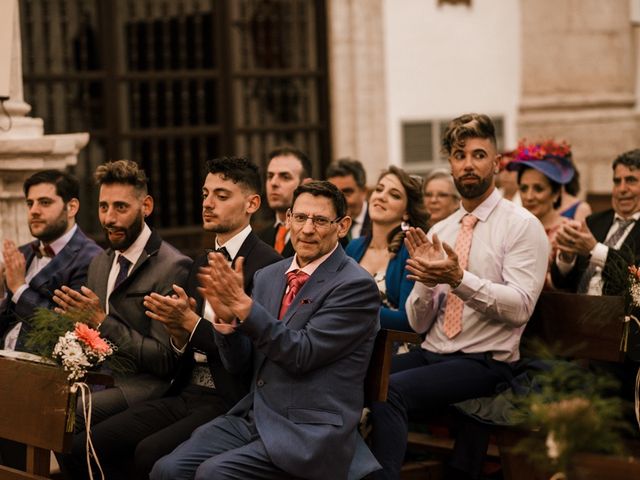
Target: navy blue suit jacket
309, 368
68, 267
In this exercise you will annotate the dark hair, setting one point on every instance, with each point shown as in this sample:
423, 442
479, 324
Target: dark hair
67, 186
322, 188
122, 171
239, 170
344, 167
573, 186
555, 186
299, 154
470, 125
629, 159
416, 211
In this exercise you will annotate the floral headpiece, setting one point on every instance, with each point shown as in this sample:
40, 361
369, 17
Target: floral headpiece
549, 157
546, 150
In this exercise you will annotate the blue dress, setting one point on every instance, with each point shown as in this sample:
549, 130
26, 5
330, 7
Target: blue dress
398, 287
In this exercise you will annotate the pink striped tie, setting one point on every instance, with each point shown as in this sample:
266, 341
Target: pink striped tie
453, 311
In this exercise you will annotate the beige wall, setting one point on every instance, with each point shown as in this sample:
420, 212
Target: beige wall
579, 81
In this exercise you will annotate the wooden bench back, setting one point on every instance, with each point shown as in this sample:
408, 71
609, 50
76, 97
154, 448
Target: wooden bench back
582, 326
35, 405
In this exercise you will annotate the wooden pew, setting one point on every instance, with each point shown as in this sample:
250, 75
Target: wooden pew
36, 409
579, 326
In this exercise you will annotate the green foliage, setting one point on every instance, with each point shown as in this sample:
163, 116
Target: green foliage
574, 410
46, 326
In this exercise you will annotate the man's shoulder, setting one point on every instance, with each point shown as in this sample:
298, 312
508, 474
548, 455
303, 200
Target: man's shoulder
168, 251
598, 217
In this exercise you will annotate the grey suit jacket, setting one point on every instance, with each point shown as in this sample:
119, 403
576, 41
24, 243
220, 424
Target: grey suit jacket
68, 267
308, 371
141, 339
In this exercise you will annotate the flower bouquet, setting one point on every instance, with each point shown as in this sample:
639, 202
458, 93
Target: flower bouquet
81, 350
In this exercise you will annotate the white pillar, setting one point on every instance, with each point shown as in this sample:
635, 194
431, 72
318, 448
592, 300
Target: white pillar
24, 149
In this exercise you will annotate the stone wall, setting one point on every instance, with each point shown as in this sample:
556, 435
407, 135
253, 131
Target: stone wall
579, 70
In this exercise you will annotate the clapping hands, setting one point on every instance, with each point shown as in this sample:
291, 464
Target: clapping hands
431, 262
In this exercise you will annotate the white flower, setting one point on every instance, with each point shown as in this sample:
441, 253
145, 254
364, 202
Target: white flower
553, 447
76, 357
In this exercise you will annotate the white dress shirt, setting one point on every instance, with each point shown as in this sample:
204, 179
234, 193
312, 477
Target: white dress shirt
506, 272
358, 222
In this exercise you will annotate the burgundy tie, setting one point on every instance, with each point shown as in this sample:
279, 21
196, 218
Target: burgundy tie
42, 250
295, 279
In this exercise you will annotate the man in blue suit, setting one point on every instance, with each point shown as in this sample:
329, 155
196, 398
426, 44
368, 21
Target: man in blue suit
60, 255
311, 322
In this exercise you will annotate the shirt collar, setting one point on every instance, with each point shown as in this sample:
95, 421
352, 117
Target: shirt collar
635, 216
135, 249
312, 266
359, 220
482, 211
233, 244
61, 242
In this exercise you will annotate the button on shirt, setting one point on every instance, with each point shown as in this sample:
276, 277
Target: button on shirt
500, 287
599, 255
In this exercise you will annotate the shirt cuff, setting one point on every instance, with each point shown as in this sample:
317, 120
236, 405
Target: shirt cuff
18, 293
180, 351
565, 267
599, 255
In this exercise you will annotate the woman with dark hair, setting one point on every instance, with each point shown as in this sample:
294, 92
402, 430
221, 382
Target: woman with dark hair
395, 204
571, 206
543, 168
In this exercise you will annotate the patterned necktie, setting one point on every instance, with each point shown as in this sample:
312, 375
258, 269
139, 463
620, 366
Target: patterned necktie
295, 279
452, 324
124, 270
281, 234
42, 250
585, 280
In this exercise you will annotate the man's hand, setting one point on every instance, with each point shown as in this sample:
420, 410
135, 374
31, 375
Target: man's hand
224, 289
419, 246
72, 302
431, 271
575, 238
15, 266
176, 312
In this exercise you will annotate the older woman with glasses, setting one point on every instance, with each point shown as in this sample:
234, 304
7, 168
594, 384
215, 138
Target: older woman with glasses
394, 205
441, 198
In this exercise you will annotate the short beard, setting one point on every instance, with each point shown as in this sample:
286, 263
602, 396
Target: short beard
131, 234
55, 230
474, 190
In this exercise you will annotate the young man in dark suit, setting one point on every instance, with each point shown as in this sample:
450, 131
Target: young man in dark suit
60, 255
288, 167
349, 176
308, 332
202, 388
137, 263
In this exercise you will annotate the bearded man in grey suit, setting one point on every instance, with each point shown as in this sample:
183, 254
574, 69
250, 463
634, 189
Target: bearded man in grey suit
311, 321
138, 263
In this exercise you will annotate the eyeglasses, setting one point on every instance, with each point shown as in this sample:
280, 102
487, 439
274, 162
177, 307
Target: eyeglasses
318, 221
439, 195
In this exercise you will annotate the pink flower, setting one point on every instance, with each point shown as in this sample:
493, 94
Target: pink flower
91, 338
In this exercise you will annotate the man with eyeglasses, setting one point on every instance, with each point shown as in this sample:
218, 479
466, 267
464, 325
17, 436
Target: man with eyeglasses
312, 321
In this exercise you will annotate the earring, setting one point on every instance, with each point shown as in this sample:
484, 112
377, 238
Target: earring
404, 226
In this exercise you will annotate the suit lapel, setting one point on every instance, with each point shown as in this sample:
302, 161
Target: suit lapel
64, 257
601, 228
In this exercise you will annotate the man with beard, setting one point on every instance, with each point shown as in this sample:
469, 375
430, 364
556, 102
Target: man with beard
60, 255
202, 388
478, 276
137, 263
288, 167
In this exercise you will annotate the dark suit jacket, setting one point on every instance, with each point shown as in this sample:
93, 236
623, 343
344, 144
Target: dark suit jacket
308, 369
614, 274
143, 340
68, 267
257, 255
268, 236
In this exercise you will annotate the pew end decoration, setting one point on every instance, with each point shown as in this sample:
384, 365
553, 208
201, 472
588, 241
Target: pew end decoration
571, 412
68, 341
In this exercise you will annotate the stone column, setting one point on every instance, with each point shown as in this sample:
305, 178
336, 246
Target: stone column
24, 149
579, 81
357, 84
